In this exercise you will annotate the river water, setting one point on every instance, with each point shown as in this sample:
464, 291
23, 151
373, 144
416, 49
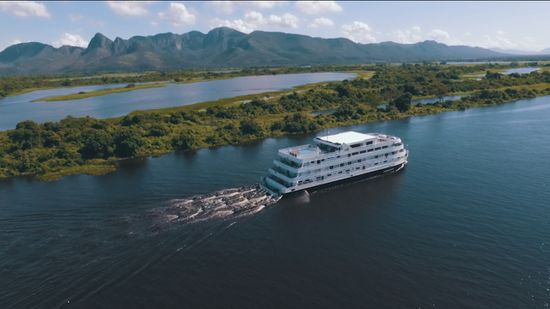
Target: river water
465, 225
17, 108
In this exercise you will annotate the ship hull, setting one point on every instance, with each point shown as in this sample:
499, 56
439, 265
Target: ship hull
353, 179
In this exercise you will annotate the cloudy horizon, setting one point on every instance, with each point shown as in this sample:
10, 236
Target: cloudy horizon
504, 25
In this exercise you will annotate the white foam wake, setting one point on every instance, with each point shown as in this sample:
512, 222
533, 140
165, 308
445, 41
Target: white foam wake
223, 204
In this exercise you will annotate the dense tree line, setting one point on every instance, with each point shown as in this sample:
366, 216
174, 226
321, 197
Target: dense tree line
38, 149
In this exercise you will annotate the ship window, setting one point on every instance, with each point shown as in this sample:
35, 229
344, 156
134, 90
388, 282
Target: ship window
355, 145
384, 147
370, 150
362, 151
363, 167
355, 153
342, 164
340, 172
377, 148
329, 175
349, 163
368, 143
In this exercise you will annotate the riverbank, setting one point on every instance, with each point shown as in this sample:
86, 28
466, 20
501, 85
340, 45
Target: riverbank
93, 146
102, 167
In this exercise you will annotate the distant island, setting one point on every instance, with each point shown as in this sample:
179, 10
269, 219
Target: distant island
220, 48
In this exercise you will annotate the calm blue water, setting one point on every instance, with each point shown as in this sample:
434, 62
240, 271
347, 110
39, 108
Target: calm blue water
435, 100
520, 71
14, 109
465, 225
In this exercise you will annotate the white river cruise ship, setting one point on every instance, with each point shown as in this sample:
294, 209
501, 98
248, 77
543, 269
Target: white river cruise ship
333, 159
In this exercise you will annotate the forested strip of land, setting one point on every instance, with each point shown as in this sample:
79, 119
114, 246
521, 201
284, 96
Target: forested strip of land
87, 145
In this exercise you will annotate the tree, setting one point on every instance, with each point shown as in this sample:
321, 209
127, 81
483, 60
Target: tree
440, 90
250, 127
127, 142
184, 141
95, 144
403, 102
27, 134
491, 75
298, 123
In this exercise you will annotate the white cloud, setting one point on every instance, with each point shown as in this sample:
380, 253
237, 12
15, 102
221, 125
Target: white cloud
254, 20
358, 32
407, 36
71, 40
225, 7
179, 15
441, 36
228, 7
287, 20
318, 7
25, 8
501, 41
129, 8
321, 22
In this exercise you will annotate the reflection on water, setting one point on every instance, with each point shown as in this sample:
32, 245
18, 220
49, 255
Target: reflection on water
526, 70
464, 225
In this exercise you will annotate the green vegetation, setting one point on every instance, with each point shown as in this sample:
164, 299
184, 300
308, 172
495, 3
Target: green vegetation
100, 92
86, 145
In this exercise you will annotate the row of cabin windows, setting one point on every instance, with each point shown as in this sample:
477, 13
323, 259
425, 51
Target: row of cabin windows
297, 165
319, 178
350, 163
349, 154
361, 144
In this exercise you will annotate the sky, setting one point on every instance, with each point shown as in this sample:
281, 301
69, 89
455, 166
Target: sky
504, 25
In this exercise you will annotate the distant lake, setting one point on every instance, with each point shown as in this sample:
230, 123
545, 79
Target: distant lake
436, 100
17, 108
521, 70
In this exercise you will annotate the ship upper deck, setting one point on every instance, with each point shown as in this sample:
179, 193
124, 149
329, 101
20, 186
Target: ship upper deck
349, 138
302, 152
330, 143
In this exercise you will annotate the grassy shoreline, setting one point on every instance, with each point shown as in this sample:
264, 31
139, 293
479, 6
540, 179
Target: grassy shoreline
95, 146
99, 92
108, 166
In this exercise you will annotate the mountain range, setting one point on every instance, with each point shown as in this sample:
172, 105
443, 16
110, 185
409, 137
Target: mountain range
522, 52
220, 47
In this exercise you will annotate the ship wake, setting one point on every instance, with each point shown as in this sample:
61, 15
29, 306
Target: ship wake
224, 204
